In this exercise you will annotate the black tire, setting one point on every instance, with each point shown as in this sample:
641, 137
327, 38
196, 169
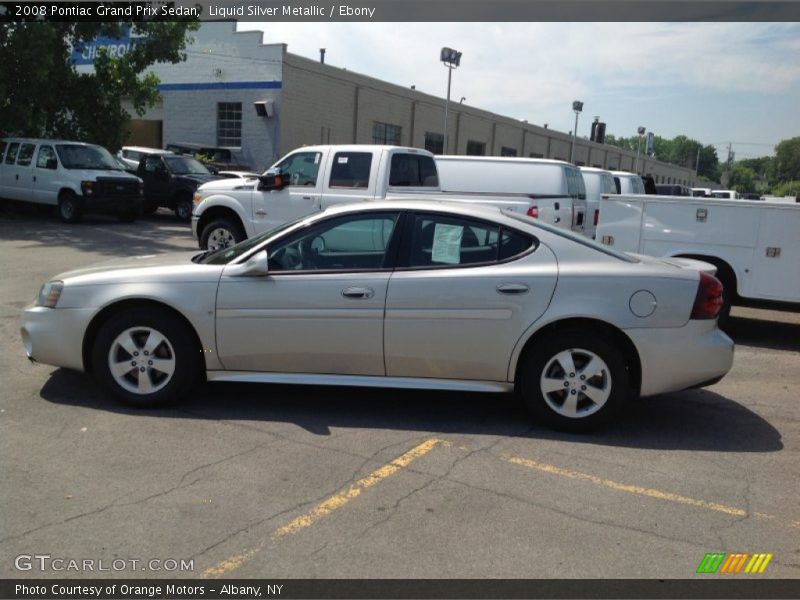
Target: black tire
212, 233
69, 209
611, 381
183, 207
180, 350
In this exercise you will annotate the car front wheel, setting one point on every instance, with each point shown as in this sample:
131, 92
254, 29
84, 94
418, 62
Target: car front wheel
573, 381
183, 208
219, 234
146, 357
69, 211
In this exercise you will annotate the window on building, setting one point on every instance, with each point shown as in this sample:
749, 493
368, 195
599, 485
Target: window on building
229, 124
476, 148
384, 133
506, 151
434, 142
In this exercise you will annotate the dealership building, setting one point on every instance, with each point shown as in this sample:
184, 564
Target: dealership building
233, 90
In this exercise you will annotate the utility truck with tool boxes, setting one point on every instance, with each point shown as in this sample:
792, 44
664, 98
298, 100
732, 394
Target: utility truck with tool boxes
313, 178
754, 244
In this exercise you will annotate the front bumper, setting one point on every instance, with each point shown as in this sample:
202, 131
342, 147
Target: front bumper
54, 336
698, 353
111, 204
195, 223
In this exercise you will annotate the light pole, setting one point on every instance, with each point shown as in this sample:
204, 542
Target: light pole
641, 131
577, 106
451, 59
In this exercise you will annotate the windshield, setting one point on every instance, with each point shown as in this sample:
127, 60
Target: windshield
76, 156
574, 237
226, 255
183, 165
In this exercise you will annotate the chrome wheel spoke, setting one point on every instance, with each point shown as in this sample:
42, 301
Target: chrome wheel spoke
128, 343
570, 406
120, 369
163, 365
550, 385
594, 367
566, 362
145, 385
153, 341
596, 395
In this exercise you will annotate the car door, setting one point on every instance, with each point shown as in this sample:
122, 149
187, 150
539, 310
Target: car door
156, 178
320, 308
464, 292
301, 195
45, 175
8, 175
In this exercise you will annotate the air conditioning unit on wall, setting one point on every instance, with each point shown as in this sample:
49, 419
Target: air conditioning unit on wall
265, 108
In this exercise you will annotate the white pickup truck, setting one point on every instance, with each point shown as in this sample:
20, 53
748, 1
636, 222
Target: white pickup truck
753, 244
312, 178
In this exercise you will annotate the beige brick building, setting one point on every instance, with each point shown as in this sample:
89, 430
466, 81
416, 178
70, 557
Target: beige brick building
211, 99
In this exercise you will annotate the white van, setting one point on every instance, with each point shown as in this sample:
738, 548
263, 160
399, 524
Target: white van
725, 194
74, 176
555, 187
628, 183
597, 182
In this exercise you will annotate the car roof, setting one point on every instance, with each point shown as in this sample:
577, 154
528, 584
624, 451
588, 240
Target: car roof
146, 149
512, 159
360, 148
595, 170
45, 141
625, 173
455, 208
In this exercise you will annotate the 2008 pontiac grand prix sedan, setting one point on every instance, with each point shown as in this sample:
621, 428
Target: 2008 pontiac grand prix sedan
394, 294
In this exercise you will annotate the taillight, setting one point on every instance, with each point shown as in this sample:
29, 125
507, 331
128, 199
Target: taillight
596, 216
708, 301
533, 212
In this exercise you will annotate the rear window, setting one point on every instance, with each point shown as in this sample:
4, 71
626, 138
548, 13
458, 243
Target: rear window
351, 169
25, 155
11, 157
575, 185
607, 184
410, 170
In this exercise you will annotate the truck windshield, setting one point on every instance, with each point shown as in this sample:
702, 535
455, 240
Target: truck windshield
183, 165
77, 156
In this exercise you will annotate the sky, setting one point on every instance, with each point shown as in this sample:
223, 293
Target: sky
714, 82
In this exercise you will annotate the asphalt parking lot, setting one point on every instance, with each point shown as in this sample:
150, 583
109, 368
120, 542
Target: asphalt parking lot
281, 481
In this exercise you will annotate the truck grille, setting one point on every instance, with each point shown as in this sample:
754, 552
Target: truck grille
108, 187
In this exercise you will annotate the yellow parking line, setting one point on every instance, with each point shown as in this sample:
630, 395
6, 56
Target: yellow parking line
326, 507
624, 487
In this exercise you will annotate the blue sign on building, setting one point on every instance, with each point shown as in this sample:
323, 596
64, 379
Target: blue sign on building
113, 46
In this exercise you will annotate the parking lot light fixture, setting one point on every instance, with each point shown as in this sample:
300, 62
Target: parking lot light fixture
577, 106
641, 131
451, 59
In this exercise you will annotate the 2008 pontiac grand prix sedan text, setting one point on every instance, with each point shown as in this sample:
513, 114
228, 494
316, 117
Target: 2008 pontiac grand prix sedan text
394, 294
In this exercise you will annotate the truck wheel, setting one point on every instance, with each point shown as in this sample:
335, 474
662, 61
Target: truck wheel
146, 357
222, 233
69, 211
183, 208
573, 380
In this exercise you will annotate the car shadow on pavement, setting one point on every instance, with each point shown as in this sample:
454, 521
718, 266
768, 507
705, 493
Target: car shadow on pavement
760, 333
102, 234
689, 420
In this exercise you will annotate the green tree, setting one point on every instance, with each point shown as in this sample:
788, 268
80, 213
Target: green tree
43, 95
742, 179
787, 159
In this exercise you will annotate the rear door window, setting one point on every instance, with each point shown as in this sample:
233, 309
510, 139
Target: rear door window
25, 155
575, 186
11, 157
46, 159
411, 170
607, 184
351, 170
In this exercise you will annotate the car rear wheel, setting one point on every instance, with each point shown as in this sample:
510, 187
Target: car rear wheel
219, 234
183, 208
146, 357
69, 211
573, 381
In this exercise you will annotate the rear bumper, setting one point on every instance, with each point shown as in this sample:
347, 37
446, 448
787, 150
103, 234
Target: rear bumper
697, 354
54, 336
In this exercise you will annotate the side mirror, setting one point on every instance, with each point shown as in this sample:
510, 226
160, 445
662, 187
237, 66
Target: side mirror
256, 266
272, 181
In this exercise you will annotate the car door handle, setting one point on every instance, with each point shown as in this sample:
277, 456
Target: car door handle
261, 212
358, 292
512, 288
308, 198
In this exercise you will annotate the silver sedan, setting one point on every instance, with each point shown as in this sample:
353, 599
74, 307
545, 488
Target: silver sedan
428, 295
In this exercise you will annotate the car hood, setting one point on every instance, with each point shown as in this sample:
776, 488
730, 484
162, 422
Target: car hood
228, 184
196, 178
176, 266
92, 174
681, 263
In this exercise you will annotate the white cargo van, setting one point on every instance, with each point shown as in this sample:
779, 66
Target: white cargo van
597, 182
554, 187
628, 183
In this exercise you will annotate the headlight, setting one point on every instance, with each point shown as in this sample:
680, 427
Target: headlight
198, 197
87, 187
50, 293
